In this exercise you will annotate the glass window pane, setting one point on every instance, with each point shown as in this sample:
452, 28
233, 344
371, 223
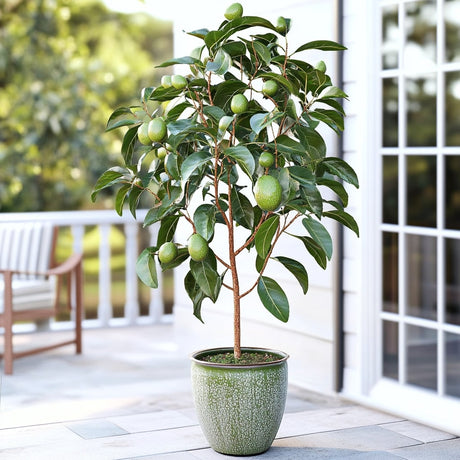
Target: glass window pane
390, 112
421, 191
390, 350
390, 37
421, 111
422, 356
452, 22
390, 272
452, 192
390, 190
452, 115
420, 24
452, 288
452, 348
421, 276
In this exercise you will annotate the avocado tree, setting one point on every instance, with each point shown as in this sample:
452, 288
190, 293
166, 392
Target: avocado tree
238, 132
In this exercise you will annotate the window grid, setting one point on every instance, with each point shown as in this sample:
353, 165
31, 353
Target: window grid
440, 151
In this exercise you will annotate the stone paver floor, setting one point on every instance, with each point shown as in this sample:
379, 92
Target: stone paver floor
128, 397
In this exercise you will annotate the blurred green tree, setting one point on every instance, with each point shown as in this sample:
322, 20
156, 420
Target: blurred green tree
64, 65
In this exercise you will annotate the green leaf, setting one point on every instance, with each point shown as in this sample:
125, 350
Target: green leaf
110, 177
342, 169
301, 175
260, 121
175, 112
195, 293
146, 268
263, 53
220, 64
167, 229
200, 33
311, 141
123, 116
323, 45
127, 147
226, 90
289, 146
243, 157
330, 117
344, 218
283, 81
332, 92
265, 234
336, 187
273, 298
214, 112
121, 197
194, 161
312, 197
133, 199
207, 278
319, 233
297, 269
205, 220
243, 212
314, 249
182, 60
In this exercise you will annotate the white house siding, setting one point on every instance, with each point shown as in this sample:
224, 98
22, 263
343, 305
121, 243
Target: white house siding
308, 336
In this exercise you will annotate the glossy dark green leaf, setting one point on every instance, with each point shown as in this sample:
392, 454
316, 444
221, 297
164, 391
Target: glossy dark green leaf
262, 52
121, 197
200, 33
146, 268
301, 175
330, 117
234, 48
171, 166
207, 278
205, 220
243, 212
122, 116
319, 233
288, 146
175, 112
133, 199
342, 169
312, 197
220, 64
195, 294
243, 157
167, 229
323, 45
281, 80
265, 234
311, 141
182, 60
335, 186
192, 162
214, 112
273, 298
260, 121
332, 92
344, 218
127, 146
297, 269
110, 177
314, 249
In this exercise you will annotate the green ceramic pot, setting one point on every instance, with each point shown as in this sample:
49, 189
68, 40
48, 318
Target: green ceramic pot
239, 407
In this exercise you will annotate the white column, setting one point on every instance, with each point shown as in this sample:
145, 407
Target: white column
132, 303
104, 310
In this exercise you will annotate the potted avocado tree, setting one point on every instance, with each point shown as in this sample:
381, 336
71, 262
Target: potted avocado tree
233, 143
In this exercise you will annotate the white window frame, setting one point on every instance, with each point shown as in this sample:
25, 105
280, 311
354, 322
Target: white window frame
410, 401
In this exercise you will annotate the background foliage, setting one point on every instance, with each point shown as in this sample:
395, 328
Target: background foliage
64, 65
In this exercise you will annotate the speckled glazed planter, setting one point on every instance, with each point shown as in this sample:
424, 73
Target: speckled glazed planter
239, 407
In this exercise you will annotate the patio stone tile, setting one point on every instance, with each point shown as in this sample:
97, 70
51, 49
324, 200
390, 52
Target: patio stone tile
153, 421
91, 429
441, 450
30, 436
316, 421
363, 439
416, 431
285, 453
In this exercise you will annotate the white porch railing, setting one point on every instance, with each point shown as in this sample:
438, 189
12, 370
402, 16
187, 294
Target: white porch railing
104, 220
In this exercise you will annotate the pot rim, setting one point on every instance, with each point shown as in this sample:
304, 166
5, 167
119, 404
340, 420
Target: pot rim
194, 357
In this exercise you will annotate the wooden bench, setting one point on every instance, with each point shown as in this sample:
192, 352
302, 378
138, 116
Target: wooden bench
29, 290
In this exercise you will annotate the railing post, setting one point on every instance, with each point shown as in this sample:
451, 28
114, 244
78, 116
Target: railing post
104, 309
156, 307
78, 233
132, 302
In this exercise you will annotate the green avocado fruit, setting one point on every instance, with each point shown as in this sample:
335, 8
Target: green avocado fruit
268, 193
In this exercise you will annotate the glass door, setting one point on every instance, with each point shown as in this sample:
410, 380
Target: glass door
419, 157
